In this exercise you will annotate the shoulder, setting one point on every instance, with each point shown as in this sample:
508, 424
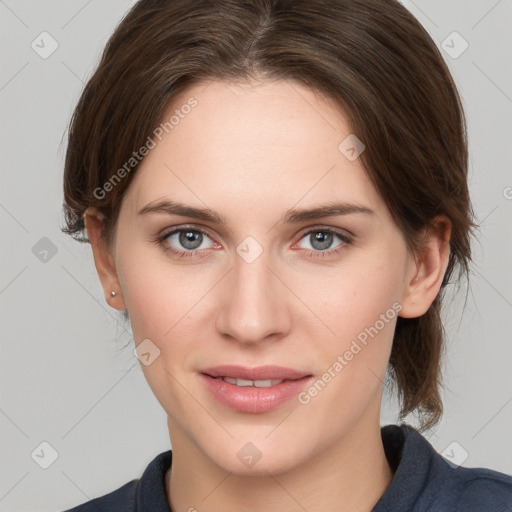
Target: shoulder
478, 489
144, 494
426, 481
120, 500
460, 488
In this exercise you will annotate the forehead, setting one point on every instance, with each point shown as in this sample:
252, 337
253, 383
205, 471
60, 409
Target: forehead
249, 145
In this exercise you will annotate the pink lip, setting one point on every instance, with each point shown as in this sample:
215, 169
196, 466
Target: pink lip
252, 399
255, 373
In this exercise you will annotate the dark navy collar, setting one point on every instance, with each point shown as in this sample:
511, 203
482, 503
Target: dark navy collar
151, 495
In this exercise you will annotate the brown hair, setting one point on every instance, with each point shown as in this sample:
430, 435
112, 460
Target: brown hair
371, 56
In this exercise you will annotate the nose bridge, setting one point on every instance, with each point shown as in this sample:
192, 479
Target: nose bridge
253, 306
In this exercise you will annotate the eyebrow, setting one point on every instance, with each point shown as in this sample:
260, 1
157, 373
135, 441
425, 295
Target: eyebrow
291, 216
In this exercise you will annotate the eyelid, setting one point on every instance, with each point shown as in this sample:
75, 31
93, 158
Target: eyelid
334, 229
345, 235
166, 233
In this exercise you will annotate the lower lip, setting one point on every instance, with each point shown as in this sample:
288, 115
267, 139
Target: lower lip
252, 399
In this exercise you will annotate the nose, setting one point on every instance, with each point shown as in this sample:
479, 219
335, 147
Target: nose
254, 303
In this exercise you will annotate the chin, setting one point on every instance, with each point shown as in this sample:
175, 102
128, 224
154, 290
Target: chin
254, 455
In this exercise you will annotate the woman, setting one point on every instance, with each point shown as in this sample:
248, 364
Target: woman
275, 193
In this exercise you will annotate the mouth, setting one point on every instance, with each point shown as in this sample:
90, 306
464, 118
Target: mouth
251, 383
254, 390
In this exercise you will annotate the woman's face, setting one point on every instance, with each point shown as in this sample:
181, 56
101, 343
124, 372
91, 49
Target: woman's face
269, 286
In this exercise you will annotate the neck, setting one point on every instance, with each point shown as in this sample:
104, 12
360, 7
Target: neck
352, 474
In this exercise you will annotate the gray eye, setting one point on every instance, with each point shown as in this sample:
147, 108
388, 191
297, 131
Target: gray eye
321, 240
188, 239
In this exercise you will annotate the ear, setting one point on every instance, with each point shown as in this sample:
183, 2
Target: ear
103, 259
426, 273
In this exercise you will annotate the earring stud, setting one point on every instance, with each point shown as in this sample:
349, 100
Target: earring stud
113, 294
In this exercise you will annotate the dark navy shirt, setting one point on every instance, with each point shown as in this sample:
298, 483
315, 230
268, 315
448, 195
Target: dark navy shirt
423, 482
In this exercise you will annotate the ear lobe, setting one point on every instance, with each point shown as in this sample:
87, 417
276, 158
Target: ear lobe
426, 276
103, 259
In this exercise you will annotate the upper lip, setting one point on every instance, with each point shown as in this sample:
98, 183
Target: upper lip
255, 373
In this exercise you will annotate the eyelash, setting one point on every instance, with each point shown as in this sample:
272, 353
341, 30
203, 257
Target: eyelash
161, 241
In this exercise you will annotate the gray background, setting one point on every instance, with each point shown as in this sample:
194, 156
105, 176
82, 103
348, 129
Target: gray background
66, 378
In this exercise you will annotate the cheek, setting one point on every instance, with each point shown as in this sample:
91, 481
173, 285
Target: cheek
165, 304
158, 294
353, 297
158, 298
359, 303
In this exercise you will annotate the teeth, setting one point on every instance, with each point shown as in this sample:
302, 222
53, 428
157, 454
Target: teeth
255, 383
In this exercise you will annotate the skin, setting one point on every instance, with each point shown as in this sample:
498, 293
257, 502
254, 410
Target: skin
251, 152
